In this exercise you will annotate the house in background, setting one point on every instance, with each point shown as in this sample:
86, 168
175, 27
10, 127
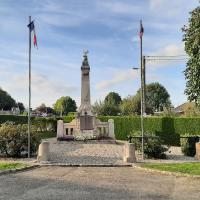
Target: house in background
187, 109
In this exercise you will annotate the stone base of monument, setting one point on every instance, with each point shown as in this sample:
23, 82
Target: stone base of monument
197, 156
43, 152
100, 129
129, 153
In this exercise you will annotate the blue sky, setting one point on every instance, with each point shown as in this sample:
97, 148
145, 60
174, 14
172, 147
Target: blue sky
108, 29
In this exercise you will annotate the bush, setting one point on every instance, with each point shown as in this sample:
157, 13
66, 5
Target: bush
14, 139
188, 145
153, 146
68, 118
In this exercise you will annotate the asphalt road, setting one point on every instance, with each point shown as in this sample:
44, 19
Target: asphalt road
95, 183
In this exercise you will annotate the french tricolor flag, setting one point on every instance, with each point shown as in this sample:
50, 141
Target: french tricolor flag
31, 27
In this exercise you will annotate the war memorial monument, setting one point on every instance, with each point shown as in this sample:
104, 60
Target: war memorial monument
85, 123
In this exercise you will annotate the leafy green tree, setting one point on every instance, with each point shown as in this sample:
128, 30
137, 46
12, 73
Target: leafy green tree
106, 108
6, 101
113, 98
110, 105
21, 107
191, 38
131, 105
65, 105
157, 97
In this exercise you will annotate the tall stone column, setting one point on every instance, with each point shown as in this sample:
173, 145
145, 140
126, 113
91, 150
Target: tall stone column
85, 112
85, 82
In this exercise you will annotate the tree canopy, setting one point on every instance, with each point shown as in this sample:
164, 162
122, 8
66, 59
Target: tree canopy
110, 105
191, 38
6, 101
113, 98
65, 105
21, 106
157, 98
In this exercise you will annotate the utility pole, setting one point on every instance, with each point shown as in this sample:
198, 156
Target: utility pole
144, 84
29, 104
142, 87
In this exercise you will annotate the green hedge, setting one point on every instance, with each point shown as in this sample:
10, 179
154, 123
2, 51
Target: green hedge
40, 121
13, 118
169, 128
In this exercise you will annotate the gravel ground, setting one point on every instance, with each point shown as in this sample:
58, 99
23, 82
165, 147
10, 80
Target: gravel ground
96, 152
93, 152
118, 183
101, 152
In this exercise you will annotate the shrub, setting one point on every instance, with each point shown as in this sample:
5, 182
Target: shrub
188, 145
153, 146
14, 139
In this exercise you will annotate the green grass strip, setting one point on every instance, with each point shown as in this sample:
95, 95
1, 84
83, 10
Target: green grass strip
185, 168
6, 166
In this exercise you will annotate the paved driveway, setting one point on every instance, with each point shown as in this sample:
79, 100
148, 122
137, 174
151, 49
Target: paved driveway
95, 183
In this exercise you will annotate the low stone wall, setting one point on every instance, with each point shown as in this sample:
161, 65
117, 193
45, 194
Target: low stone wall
102, 129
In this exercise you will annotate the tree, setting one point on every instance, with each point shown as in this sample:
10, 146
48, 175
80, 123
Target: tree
131, 105
191, 39
21, 107
64, 105
44, 109
110, 105
157, 98
105, 108
113, 98
6, 101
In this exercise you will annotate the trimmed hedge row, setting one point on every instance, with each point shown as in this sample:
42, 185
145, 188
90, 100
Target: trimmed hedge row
41, 122
169, 128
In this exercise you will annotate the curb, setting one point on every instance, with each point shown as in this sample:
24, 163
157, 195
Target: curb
177, 174
11, 171
83, 165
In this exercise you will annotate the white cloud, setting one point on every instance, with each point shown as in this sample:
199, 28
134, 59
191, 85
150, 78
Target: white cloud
155, 4
119, 7
169, 50
43, 89
119, 77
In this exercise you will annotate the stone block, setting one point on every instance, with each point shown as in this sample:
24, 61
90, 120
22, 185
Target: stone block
129, 152
111, 129
43, 152
197, 156
60, 128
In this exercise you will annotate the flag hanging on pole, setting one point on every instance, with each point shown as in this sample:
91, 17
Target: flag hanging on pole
141, 29
31, 27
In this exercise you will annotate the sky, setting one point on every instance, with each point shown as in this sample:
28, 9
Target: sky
108, 29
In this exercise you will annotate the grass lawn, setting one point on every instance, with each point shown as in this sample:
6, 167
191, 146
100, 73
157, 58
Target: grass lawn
47, 134
6, 166
186, 168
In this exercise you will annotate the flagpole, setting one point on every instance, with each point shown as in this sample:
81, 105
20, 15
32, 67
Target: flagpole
29, 104
142, 93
